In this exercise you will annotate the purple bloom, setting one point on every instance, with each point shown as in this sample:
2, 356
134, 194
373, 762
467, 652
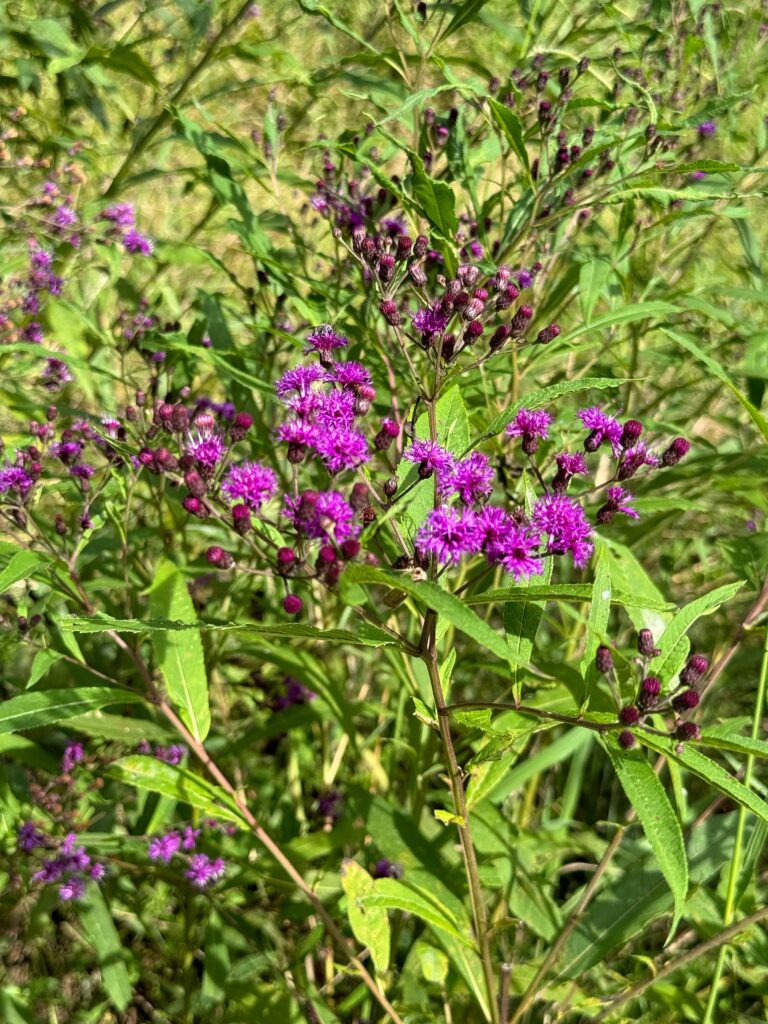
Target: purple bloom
202, 870
73, 754
97, 872
121, 214
430, 456
350, 374
73, 889
342, 449
494, 525
205, 445
324, 340
323, 514
298, 432
30, 837
566, 526
163, 847
516, 553
449, 534
571, 464
134, 242
172, 755
295, 693
707, 128
335, 409
64, 216
621, 499
602, 428
532, 423
190, 838
524, 278
471, 478
698, 175
299, 379
386, 869
250, 483
431, 320
14, 479
635, 458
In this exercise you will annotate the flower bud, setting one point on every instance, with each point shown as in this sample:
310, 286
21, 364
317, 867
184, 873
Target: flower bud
650, 688
386, 435
358, 499
195, 506
499, 337
285, 559
630, 433
292, 604
390, 487
604, 659
417, 275
685, 701
675, 452
507, 296
582, 66
472, 331
60, 526
548, 334
327, 554
420, 246
390, 312
520, 321
242, 424
241, 519
350, 548
195, 483
386, 267
626, 740
694, 669
687, 731
219, 558
587, 135
645, 644
404, 246
629, 715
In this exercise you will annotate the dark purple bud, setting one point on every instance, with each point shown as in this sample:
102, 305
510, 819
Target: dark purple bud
605, 514
650, 688
541, 81
630, 433
629, 715
420, 246
520, 321
60, 526
685, 701
219, 558
604, 659
645, 643
241, 519
404, 246
675, 452
473, 330
350, 548
292, 604
626, 740
390, 312
548, 334
417, 275
499, 336
285, 559
368, 514
327, 554
241, 425
141, 398
358, 499
545, 112
195, 483
390, 487
694, 669
650, 132
582, 66
386, 267
51, 413
386, 435
195, 506
507, 296
587, 135
687, 731
563, 77
179, 419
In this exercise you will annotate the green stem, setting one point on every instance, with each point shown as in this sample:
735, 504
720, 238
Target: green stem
731, 901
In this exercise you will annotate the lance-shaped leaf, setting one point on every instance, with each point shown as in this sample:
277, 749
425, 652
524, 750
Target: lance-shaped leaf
369, 923
44, 707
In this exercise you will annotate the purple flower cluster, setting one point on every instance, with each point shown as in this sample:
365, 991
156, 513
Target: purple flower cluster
173, 754
71, 867
122, 219
201, 869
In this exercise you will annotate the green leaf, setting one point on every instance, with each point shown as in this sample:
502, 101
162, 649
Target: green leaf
673, 642
708, 770
41, 663
369, 924
435, 200
21, 566
622, 315
655, 813
520, 594
760, 421
722, 739
19, 748
433, 963
43, 707
101, 933
396, 895
177, 782
440, 601
593, 278
512, 127
180, 654
99, 623
538, 399
465, 13
522, 621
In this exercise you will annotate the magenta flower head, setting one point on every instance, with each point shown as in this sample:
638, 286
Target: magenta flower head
30, 837
618, 501
73, 754
449, 535
325, 514
342, 449
471, 478
204, 443
324, 340
432, 320
566, 526
568, 466
137, 243
634, 459
430, 458
601, 428
532, 425
676, 451
250, 483
292, 604
202, 870
163, 847
299, 380
121, 214
707, 128
516, 553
